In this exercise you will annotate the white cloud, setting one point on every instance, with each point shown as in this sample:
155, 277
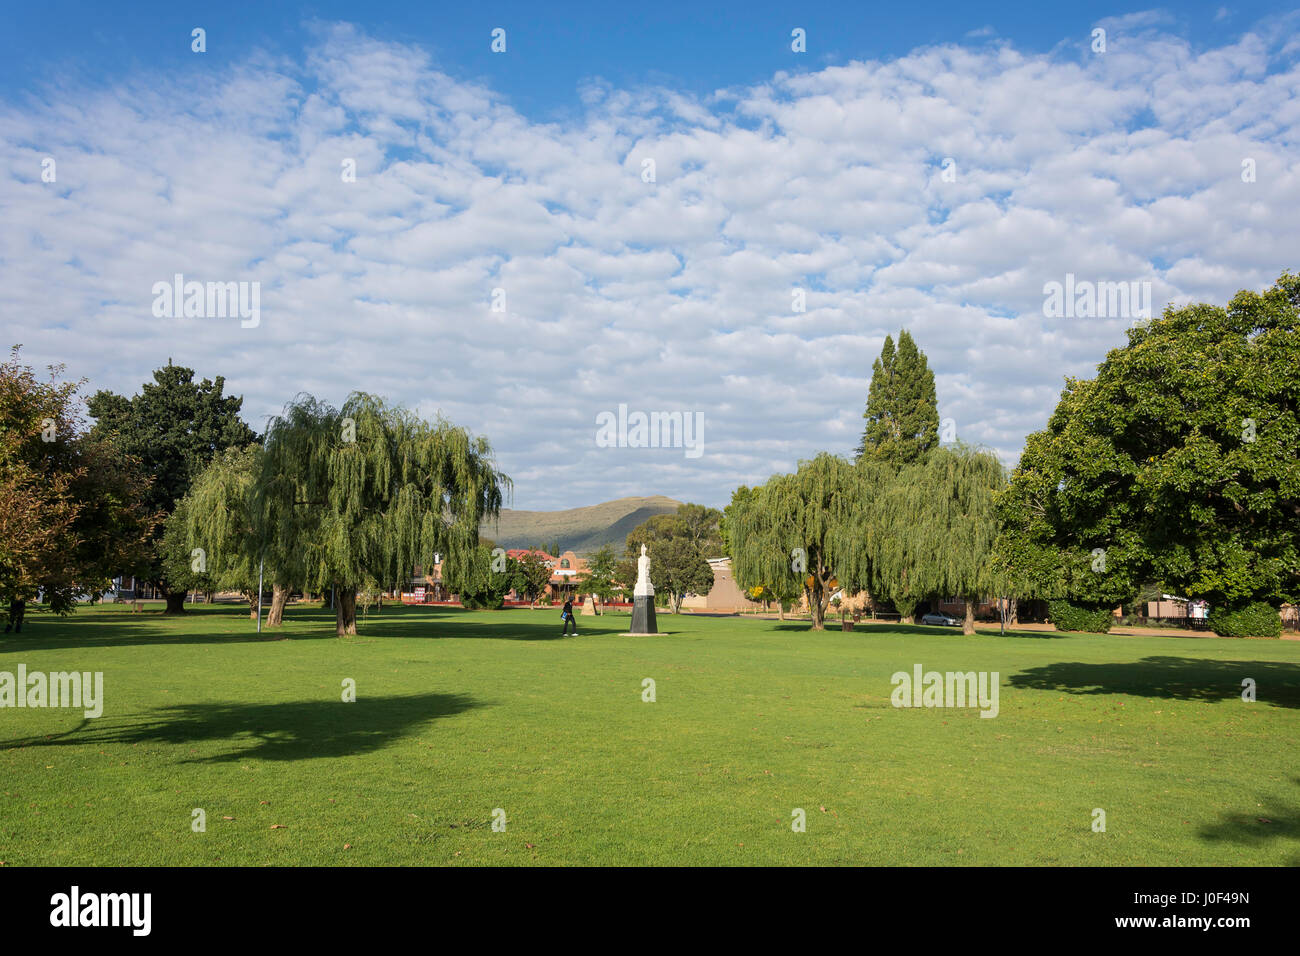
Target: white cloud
671, 295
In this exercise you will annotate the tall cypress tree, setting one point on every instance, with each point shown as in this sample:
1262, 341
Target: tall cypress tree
902, 412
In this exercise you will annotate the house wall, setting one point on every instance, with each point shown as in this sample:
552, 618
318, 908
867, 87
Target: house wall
725, 595
1165, 609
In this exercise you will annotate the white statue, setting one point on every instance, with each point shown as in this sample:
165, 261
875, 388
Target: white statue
643, 585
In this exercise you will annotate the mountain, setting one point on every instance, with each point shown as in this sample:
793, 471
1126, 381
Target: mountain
579, 529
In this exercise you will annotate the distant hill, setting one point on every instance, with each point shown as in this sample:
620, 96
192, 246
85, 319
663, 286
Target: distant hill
582, 530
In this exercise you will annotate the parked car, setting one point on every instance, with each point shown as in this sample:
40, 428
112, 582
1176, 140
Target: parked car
940, 619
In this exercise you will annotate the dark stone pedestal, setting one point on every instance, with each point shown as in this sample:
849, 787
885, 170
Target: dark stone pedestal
643, 615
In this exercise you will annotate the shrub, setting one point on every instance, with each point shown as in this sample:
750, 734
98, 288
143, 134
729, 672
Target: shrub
1256, 619
1068, 616
482, 602
906, 607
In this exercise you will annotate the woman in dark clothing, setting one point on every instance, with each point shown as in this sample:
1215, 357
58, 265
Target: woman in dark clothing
568, 618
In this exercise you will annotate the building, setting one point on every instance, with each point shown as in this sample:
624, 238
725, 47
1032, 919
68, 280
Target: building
725, 595
427, 584
565, 570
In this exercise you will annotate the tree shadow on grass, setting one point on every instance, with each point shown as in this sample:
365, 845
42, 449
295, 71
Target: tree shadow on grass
88, 628
210, 624
1035, 635
519, 624
1272, 821
893, 628
294, 730
1176, 678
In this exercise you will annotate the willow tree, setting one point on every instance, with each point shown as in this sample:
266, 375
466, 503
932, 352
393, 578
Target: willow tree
795, 532
222, 531
935, 527
369, 491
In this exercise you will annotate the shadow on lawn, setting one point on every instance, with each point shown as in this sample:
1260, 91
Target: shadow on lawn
1176, 678
296, 730
865, 626
1273, 820
210, 624
216, 624
513, 625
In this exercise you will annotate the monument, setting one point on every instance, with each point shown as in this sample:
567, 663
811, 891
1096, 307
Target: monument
643, 599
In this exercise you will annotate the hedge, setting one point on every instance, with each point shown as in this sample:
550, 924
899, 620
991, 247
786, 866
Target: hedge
1256, 619
1068, 616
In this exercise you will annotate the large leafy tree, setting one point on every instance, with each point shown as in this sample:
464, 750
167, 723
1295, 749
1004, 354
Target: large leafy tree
72, 508
1177, 463
698, 524
798, 531
702, 528
902, 418
656, 528
175, 426
369, 491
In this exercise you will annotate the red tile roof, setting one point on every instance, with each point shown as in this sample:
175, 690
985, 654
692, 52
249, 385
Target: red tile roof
518, 553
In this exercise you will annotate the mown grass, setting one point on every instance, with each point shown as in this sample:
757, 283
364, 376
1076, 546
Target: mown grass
459, 713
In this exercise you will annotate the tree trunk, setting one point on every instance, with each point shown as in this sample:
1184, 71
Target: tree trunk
968, 625
345, 611
816, 604
279, 598
1015, 613
175, 602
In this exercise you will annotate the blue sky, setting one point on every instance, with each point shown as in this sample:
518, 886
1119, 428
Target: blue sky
554, 48
926, 166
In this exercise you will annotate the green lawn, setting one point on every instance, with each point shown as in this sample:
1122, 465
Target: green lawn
458, 713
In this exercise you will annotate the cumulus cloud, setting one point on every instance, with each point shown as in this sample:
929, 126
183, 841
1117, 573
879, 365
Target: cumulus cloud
938, 192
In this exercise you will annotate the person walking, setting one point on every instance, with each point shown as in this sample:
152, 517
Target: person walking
567, 617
